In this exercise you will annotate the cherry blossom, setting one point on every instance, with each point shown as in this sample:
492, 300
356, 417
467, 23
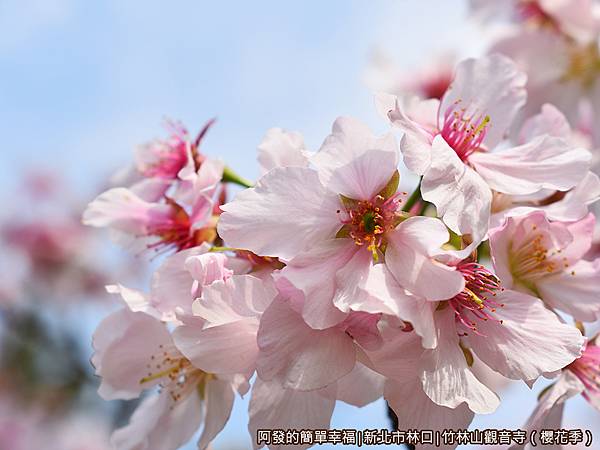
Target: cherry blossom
544, 258
455, 152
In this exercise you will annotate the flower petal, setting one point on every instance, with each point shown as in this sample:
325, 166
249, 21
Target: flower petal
491, 85
548, 412
446, 377
123, 362
310, 279
575, 291
409, 259
281, 148
273, 407
416, 411
219, 398
544, 163
121, 209
156, 425
355, 163
530, 341
298, 356
462, 197
287, 212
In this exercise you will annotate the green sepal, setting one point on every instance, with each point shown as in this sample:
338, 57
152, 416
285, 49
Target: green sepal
343, 232
391, 187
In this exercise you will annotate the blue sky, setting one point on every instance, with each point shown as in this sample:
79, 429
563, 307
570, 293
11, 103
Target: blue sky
83, 82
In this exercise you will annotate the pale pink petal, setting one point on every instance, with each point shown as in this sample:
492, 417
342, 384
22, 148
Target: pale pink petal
156, 426
544, 55
417, 119
123, 210
351, 281
544, 163
310, 280
110, 329
273, 407
446, 377
383, 294
462, 197
225, 349
360, 387
400, 355
416, 411
151, 189
487, 86
375, 294
574, 205
409, 258
500, 239
355, 163
197, 188
219, 397
580, 19
237, 298
136, 301
298, 356
287, 212
583, 234
122, 364
207, 268
529, 341
172, 283
550, 121
548, 413
281, 148
575, 291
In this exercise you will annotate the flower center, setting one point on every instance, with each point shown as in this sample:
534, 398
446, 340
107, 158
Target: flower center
366, 221
584, 65
587, 369
175, 373
476, 301
534, 260
464, 133
176, 231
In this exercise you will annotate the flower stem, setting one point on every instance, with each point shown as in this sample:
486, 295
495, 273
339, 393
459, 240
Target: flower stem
229, 176
413, 199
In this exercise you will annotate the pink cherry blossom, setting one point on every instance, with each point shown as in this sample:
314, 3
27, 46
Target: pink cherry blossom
512, 333
570, 206
135, 352
544, 259
344, 213
454, 155
579, 377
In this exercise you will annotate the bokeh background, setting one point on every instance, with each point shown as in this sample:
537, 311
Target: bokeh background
81, 83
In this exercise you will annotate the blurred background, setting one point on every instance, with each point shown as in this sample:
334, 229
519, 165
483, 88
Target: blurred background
83, 82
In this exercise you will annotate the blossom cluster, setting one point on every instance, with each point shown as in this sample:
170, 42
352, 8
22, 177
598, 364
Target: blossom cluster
323, 281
